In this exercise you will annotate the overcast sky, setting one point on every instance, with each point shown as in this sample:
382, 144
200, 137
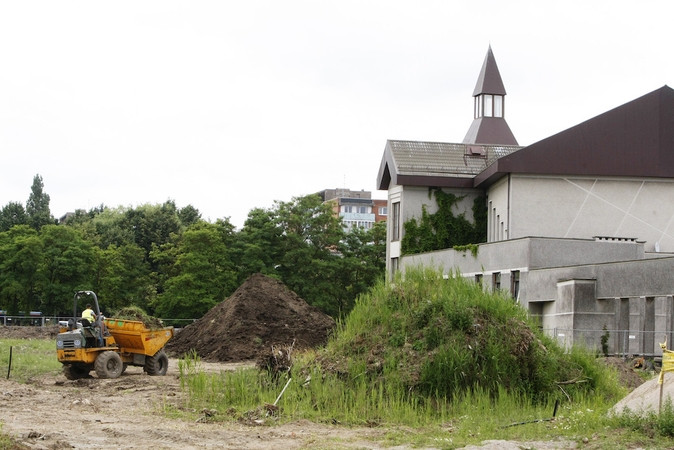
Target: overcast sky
230, 105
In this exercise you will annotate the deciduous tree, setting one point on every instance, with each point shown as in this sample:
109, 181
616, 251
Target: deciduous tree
66, 267
12, 214
20, 257
204, 274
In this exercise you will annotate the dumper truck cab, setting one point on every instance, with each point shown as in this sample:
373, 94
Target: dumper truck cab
108, 345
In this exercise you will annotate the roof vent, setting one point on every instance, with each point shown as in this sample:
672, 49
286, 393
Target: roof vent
614, 239
475, 150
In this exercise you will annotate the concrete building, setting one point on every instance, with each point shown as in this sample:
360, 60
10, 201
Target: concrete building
356, 208
580, 225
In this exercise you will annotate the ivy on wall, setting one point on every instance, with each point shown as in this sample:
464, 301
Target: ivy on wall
443, 229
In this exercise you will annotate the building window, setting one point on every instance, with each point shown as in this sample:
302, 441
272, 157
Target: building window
394, 266
395, 230
488, 105
498, 106
383, 210
496, 281
347, 209
364, 209
515, 284
478, 279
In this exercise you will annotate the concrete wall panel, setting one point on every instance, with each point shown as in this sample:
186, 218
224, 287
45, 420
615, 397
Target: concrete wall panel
621, 194
583, 208
543, 207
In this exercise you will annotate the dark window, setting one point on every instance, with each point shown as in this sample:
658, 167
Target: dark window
395, 231
496, 280
515, 283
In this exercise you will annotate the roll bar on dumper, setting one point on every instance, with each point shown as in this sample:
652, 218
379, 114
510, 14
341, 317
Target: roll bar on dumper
109, 345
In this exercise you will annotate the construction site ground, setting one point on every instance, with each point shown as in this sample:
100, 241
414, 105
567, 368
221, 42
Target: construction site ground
129, 412
133, 412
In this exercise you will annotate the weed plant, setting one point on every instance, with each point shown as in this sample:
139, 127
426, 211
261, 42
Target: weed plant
6, 442
649, 423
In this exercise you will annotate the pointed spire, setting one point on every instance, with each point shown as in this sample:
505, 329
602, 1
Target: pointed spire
489, 125
489, 81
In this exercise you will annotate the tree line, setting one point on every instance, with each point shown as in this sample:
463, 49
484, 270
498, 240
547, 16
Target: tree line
176, 265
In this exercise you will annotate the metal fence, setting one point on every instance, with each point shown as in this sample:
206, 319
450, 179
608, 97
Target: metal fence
41, 321
623, 343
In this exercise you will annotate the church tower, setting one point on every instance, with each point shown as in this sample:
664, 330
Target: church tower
489, 126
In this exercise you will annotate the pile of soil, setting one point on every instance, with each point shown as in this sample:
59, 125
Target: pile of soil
627, 374
24, 332
262, 313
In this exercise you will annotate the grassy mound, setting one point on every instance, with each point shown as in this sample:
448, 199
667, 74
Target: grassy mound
449, 338
136, 313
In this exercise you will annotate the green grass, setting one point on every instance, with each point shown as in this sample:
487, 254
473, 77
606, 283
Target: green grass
477, 416
30, 358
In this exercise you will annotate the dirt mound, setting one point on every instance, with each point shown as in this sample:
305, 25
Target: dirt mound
18, 332
628, 376
261, 313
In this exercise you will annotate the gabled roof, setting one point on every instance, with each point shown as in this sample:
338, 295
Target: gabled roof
438, 164
632, 140
489, 81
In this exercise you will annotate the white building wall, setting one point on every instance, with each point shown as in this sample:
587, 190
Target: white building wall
395, 194
412, 199
497, 211
575, 207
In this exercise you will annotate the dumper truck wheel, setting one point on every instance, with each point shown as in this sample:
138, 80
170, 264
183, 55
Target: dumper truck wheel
72, 372
157, 364
108, 365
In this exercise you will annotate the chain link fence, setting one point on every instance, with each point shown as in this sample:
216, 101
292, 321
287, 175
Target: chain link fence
621, 343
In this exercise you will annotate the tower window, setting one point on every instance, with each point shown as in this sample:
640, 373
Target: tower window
498, 106
488, 105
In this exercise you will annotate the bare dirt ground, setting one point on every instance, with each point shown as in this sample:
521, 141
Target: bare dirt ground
128, 412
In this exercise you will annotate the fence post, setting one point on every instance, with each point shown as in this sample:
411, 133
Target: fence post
9, 367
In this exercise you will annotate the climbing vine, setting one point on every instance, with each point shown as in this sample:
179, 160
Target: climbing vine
443, 229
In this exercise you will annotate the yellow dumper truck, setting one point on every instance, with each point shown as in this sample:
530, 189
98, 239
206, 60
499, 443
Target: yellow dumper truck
108, 346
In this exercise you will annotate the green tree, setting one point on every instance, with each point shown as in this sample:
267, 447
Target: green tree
20, 257
258, 248
362, 264
12, 214
103, 226
304, 244
122, 278
204, 274
152, 225
65, 268
37, 206
308, 256
189, 215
